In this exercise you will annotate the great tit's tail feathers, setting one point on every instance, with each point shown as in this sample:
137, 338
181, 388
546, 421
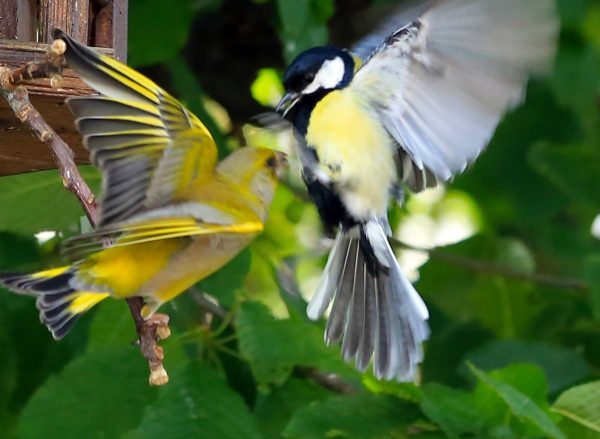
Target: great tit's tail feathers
60, 304
375, 310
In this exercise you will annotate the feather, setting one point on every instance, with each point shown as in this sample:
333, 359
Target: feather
442, 83
59, 304
375, 310
138, 131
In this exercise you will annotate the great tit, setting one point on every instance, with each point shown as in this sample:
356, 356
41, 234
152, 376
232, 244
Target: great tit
412, 105
174, 213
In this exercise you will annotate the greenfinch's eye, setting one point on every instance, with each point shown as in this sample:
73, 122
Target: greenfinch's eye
271, 162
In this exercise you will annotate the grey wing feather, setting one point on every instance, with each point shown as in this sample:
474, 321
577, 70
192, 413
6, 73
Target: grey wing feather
441, 84
131, 133
375, 310
399, 17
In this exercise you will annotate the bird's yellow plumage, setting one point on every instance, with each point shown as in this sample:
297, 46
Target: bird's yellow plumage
354, 150
123, 270
170, 215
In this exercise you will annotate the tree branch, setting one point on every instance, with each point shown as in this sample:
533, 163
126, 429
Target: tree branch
149, 332
329, 381
493, 269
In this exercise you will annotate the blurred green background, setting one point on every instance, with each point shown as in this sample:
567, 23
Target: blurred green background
513, 286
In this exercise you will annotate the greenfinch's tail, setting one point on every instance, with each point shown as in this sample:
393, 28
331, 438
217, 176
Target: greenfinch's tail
60, 304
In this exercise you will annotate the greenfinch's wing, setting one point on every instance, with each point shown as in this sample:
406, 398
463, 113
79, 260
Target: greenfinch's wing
148, 228
147, 145
441, 84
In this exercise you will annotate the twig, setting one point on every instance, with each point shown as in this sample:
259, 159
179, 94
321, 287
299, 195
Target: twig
149, 333
51, 68
18, 99
329, 381
208, 305
493, 269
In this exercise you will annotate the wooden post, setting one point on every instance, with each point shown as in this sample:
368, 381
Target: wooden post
8, 18
17, 19
119, 30
72, 16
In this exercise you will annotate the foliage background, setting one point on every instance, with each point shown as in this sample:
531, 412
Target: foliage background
513, 354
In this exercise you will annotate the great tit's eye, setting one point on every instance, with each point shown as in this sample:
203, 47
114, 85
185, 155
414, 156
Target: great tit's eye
308, 79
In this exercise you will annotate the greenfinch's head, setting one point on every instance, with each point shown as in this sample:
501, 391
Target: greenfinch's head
255, 169
316, 70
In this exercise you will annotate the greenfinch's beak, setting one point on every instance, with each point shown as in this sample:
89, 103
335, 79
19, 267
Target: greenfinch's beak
287, 103
281, 164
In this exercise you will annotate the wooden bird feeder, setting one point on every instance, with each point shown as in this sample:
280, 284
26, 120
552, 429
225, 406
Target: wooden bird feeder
25, 31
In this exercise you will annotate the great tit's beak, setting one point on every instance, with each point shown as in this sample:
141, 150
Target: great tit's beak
287, 103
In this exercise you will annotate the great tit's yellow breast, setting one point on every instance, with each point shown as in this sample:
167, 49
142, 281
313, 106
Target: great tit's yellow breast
355, 151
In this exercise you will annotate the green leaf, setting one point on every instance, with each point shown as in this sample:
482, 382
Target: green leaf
563, 367
302, 26
581, 62
188, 90
322, 10
90, 398
520, 405
112, 326
38, 201
497, 415
223, 284
274, 409
197, 402
572, 12
571, 168
267, 88
9, 372
453, 281
158, 30
581, 407
273, 347
508, 191
353, 417
18, 253
592, 275
454, 410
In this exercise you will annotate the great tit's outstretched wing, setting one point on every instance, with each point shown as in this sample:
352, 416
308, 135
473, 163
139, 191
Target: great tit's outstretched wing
441, 84
148, 147
404, 14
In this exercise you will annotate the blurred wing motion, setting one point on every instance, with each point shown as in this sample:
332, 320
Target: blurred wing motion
441, 84
147, 145
405, 13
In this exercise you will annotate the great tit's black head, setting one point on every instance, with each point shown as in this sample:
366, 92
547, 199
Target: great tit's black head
319, 68
315, 70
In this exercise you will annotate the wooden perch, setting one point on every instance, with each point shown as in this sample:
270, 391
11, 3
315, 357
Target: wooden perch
25, 27
16, 95
19, 152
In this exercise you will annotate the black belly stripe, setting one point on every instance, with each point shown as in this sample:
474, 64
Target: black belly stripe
331, 209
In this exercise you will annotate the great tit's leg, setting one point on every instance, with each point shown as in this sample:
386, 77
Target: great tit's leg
397, 193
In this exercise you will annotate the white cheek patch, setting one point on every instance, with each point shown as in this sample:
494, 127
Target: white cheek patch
329, 76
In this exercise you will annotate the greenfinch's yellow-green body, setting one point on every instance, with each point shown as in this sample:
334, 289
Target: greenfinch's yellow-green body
170, 214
